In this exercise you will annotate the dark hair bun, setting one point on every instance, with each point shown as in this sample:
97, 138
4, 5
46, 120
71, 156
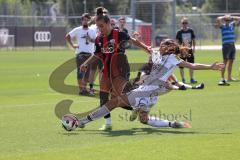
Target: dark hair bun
99, 11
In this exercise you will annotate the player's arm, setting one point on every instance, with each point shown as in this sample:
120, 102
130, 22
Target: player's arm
236, 19
91, 37
198, 66
220, 21
69, 41
90, 60
92, 21
141, 45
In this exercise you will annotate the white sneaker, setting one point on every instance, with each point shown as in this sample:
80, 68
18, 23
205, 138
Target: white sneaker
176, 124
91, 92
223, 83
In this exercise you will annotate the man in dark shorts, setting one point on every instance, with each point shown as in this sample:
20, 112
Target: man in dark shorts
84, 48
186, 36
227, 25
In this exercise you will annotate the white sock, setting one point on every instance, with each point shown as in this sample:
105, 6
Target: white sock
108, 121
156, 122
186, 85
98, 113
175, 87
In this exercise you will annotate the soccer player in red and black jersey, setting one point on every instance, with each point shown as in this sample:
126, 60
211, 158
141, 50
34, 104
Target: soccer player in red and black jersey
110, 48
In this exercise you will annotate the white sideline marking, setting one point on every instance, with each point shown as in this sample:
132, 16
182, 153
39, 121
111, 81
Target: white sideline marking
213, 47
39, 104
210, 47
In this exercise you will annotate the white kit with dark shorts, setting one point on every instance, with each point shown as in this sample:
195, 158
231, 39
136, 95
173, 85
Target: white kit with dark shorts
146, 95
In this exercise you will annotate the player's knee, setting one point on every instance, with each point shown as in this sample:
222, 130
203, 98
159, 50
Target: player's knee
143, 119
143, 116
103, 97
127, 87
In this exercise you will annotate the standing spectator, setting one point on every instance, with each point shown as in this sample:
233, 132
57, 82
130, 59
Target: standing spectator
227, 25
113, 23
186, 36
84, 48
121, 24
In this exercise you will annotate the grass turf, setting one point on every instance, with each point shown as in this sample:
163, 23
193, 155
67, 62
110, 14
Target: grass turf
29, 128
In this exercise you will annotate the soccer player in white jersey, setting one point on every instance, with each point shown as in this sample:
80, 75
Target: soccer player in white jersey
84, 48
145, 96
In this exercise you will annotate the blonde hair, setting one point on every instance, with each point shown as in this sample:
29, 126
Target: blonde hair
184, 19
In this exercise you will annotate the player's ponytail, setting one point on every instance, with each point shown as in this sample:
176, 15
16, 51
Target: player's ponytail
101, 14
99, 11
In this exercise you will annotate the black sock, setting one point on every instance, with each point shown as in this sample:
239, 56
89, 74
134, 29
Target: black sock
128, 108
91, 86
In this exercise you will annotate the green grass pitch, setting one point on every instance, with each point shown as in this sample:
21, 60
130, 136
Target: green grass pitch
30, 130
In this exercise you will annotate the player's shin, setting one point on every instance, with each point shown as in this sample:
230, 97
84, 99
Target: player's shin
156, 122
98, 113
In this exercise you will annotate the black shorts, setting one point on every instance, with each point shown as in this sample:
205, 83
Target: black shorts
228, 51
80, 59
123, 65
189, 58
96, 64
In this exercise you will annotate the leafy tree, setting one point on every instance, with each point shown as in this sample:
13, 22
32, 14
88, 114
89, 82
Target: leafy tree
220, 6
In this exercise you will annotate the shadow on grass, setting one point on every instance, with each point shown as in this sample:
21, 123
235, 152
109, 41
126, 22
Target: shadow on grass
128, 132
158, 131
237, 80
138, 131
141, 131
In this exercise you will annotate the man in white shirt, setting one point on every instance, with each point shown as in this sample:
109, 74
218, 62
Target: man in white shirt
85, 38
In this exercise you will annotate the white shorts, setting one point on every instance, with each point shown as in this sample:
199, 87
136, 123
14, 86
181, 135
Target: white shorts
145, 96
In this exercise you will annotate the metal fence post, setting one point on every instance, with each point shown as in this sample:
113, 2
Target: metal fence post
153, 23
133, 13
173, 4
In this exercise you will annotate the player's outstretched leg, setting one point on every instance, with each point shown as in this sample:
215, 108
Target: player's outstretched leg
119, 101
104, 97
156, 122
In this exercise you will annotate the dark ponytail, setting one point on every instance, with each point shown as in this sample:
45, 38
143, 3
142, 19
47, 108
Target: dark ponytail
101, 14
99, 11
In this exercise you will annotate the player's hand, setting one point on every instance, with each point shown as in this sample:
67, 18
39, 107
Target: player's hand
149, 49
136, 35
217, 66
75, 46
83, 68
